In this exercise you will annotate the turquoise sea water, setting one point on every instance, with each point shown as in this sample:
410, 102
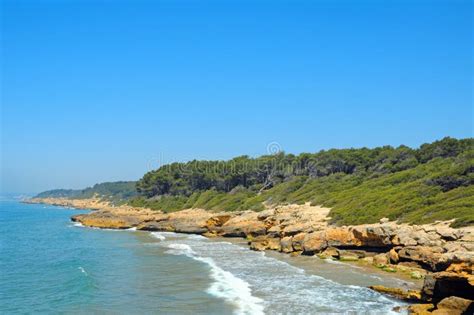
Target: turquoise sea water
50, 265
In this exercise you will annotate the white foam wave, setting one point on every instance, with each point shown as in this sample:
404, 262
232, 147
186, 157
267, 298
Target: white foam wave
158, 235
132, 229
233, 289
180, 249
78, 224
237, 280
195, 237
226, 286
83, 270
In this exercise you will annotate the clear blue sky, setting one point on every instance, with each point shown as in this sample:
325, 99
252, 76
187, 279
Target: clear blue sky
97, 91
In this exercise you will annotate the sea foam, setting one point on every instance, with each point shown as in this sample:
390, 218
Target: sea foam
158, 235
226, 286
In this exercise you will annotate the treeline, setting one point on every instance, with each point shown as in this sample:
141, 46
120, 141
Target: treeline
258, 174
433, 182
113, 191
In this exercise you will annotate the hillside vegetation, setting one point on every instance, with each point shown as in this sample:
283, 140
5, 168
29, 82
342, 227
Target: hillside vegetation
433, 182
113, 191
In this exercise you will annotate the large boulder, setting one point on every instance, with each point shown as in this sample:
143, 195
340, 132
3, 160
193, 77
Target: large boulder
381, 260
246, 224
462, 262
192, 221
314, 242
217, 221
420, 309
286, 244
454, 305
107, 220
340, 237
297, 241
427, 257
448, 234
438, 286
163, 225
330, 252
261, 243
372, 236
406, 295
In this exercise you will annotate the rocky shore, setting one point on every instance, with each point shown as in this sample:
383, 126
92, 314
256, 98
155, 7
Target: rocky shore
442, 256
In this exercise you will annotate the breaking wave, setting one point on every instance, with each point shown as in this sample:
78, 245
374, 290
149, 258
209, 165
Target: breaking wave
226, 286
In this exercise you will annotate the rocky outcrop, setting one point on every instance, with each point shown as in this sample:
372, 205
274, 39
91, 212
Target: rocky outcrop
438, 286
303, 229
445, 255
420, 309
193, 221
454, 306
449, 306
406, 295
243, 225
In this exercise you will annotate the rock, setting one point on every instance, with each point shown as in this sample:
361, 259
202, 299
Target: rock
297, 241
420, 309
263, 243
393, 256
372, 236
454, 305
189, 228
369, 260
380, 260
330, 252
295, 219
274, 231
340, 237
106, 220
458, 261
156, 226
438, 286
427, 257
294, 229
286, 244
464, 267
447, 233
191, 221
406, 295
384, 220
265, 214
217, 221
274, 244
246, 224
314, 242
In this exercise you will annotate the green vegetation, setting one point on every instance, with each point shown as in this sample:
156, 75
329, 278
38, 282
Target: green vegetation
434, 182
59, 193
116, 192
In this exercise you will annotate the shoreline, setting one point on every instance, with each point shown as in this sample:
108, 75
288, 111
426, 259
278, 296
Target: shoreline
431, 253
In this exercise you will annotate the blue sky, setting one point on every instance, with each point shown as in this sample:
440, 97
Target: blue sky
97, 91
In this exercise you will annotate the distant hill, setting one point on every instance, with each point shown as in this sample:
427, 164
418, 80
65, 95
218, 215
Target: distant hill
114, 191
59, 193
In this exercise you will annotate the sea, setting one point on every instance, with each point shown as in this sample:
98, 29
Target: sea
50, 265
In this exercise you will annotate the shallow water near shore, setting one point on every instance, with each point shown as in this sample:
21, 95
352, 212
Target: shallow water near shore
50, 265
